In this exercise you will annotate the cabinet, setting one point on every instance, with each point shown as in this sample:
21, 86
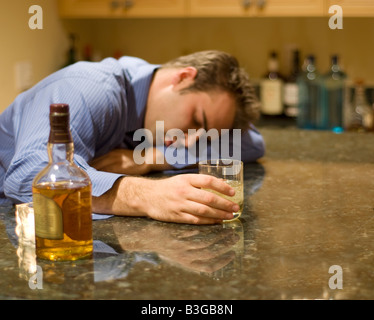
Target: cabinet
211, 8
354, 8
221, 8
284, 8
256, 8
121, 8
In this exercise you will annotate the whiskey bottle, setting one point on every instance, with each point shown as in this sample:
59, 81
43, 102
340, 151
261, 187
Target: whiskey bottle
62, 197
291, 89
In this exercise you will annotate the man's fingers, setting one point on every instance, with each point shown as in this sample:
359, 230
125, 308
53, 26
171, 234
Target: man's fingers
210, 182
207, 204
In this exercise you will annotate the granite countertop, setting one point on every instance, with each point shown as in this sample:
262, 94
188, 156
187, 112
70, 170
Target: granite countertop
307, 232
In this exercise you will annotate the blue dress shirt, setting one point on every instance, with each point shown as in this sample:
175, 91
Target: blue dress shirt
107, 104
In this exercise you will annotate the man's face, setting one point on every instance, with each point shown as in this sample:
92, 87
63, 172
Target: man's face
190, 110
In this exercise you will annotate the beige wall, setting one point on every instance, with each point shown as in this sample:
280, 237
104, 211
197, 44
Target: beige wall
45, 49
158, 40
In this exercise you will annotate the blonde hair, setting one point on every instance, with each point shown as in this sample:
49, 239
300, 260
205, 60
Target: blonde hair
217, 70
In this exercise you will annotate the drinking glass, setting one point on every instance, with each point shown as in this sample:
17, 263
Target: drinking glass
231, 171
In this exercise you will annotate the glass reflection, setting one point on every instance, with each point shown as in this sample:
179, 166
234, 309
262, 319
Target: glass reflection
25, 232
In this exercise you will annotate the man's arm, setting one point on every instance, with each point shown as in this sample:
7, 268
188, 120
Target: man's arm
122, 161
180, 199
95, 119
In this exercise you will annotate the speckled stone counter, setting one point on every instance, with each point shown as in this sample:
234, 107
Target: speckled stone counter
309, 205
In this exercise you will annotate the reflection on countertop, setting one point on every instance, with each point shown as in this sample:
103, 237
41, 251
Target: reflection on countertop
309, 205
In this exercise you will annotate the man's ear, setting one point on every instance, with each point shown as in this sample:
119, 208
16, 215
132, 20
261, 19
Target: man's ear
184, 77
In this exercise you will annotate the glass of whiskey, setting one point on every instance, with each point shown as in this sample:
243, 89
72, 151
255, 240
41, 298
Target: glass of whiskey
231, 171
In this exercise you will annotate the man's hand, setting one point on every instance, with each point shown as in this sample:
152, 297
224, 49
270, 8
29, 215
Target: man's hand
178, 199
122, 161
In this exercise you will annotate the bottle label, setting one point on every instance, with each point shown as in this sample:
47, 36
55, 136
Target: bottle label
291, 94
271, 97
48, 218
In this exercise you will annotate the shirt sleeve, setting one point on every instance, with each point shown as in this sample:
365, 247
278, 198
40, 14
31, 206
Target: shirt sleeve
93, 131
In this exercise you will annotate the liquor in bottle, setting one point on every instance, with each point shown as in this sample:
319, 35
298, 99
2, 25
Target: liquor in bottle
309, 95
62, 197
332, 98
271, 88
291, 89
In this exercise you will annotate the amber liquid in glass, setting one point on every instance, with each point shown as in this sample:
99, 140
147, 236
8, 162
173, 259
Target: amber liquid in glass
66, 232
237, 198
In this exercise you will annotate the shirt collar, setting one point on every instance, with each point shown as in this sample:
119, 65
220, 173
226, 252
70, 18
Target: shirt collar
139, 74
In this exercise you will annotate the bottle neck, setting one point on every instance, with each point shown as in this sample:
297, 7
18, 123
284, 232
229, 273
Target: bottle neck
296, 63
310, 67
296, 67
335, 68
60, 152
273, 65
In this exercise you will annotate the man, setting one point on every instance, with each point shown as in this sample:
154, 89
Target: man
109, 101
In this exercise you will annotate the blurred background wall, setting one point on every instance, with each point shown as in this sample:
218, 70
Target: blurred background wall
160, 39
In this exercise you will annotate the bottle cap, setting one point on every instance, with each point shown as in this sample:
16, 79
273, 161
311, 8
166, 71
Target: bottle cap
60, 108
59, 121
334, 59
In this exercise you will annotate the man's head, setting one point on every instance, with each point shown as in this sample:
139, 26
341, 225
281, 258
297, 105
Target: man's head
205, 89
217, 70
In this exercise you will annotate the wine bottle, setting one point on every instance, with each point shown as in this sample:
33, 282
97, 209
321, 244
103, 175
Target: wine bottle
291, 90
271, 87
62, 197
309, 95
332, 98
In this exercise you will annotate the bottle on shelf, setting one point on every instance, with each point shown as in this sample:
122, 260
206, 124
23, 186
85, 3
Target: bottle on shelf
62, 197
291, 90
309, 95
360, 113
72, 52
87, 53
271, 88
332, 98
